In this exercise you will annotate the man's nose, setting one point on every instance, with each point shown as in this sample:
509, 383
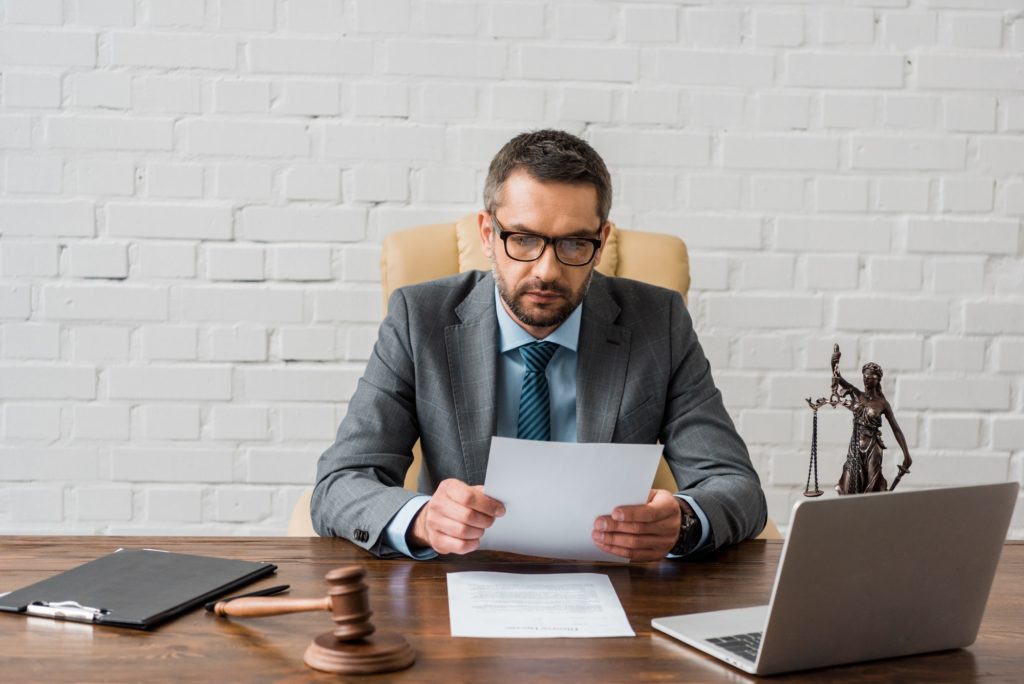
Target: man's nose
547, 268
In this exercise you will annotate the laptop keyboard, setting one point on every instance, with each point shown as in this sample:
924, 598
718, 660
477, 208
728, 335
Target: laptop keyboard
743, 645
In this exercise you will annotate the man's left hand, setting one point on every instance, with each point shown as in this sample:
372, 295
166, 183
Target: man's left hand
640, 533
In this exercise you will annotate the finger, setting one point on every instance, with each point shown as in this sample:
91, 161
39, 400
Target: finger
667, 527
448, 515
486, 504
450, 510
647, 513
634, 541
456, 529
659, 528
445, 535
631, 554
473, 497
606, 524
661, 504
445, 544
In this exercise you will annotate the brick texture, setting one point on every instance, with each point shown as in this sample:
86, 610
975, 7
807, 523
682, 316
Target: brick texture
193, 196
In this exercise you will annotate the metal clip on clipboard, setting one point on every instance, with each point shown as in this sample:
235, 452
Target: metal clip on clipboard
65, 610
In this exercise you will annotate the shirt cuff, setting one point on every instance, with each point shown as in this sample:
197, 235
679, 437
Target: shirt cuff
705, 525
394, 533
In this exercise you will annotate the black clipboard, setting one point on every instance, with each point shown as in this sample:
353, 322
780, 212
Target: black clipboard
136, 588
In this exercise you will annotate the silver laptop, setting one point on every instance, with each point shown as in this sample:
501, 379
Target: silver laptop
866, 577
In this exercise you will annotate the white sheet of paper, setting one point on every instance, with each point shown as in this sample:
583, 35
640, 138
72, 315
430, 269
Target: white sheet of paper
554, 491
502, 604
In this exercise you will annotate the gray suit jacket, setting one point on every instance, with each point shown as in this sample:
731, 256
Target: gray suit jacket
641, 378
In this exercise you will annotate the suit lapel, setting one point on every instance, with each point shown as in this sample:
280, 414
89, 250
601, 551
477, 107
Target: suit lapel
600, 365
472, 348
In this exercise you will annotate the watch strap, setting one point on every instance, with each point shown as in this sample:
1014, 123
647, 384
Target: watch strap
689, 530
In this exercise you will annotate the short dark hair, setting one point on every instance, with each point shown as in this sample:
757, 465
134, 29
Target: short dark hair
550, 155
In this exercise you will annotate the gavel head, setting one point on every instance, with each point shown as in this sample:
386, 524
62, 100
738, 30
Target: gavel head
350, 604
349, 648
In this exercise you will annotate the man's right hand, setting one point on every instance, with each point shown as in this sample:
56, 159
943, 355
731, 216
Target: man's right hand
455, 518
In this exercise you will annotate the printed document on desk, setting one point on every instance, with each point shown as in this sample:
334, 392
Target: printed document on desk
554, 491
504, 604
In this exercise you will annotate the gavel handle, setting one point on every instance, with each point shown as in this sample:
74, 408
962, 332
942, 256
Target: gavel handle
262, 606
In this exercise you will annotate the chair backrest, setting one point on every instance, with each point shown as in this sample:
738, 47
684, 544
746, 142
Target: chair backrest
416, 255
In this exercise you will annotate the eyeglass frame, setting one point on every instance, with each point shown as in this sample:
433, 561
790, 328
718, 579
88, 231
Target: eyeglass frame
504, 235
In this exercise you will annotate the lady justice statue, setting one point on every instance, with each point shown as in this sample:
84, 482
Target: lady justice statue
862, 471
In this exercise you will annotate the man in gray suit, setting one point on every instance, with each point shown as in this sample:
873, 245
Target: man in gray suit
540, 348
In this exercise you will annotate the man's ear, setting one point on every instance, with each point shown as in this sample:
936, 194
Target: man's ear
483, 221
606, 231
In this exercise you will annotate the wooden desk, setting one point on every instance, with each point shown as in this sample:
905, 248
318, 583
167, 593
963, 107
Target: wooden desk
410, 597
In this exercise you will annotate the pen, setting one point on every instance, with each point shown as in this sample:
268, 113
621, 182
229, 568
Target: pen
270, 591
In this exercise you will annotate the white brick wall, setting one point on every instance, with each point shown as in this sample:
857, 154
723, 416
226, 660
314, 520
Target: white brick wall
193, 195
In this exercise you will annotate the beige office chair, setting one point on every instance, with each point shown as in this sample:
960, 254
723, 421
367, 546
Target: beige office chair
419, 254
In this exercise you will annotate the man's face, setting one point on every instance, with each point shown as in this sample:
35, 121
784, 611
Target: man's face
541, 294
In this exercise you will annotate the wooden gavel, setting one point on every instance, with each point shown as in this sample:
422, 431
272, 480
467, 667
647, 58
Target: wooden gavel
348, 648
346, 600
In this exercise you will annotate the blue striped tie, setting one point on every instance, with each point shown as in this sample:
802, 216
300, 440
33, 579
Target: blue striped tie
534, 407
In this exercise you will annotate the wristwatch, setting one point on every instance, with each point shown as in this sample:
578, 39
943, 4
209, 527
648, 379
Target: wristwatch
689, 530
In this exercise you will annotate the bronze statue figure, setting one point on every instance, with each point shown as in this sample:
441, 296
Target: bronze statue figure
862, 471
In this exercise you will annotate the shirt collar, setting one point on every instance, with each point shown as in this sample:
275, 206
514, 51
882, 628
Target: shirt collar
512, 336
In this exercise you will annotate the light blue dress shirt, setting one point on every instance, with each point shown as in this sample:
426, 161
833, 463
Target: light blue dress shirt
561, 376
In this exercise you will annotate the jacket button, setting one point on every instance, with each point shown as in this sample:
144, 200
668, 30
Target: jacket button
362, 535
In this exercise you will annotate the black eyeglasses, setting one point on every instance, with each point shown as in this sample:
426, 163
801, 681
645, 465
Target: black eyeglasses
571, 251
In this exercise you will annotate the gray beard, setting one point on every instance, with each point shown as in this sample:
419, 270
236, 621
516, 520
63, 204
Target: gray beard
546, 319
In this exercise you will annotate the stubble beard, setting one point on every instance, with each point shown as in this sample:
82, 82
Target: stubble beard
540, 318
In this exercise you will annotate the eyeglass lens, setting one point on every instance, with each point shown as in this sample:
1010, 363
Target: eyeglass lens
570, 251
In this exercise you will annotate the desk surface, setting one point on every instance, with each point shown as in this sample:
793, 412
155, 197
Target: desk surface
411, 598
